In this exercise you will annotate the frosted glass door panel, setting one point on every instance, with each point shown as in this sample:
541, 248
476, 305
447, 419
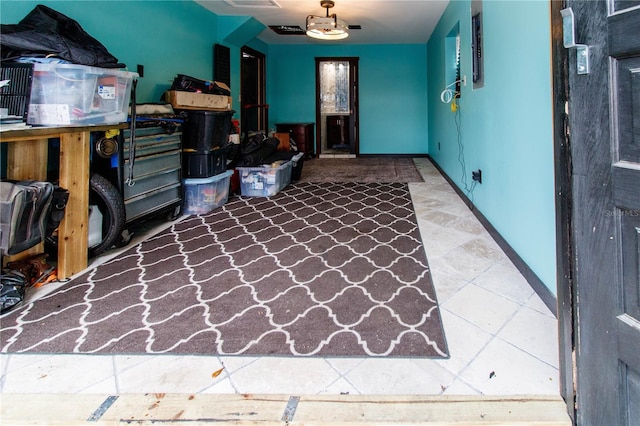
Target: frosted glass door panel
334, 87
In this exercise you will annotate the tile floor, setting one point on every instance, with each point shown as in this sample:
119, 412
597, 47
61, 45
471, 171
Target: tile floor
502, 338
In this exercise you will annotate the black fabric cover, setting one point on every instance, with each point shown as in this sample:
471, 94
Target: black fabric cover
280, 156
12, 289
45, 31
260, 155
187, 83
252, 143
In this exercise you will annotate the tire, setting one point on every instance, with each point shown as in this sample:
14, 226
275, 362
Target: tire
109, 201
175, 213
103, 194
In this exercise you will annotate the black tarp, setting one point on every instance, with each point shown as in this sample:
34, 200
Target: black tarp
45, 32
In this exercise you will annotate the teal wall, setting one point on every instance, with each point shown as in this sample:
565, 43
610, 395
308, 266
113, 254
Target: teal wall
173, 37
506, 126
393, 92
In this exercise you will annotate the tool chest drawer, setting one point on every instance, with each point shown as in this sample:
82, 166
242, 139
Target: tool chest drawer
157, 171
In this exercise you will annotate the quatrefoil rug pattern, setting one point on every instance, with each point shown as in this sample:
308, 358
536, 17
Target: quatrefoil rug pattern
320, 269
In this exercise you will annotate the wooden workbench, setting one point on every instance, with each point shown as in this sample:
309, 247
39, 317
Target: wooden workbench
27, 159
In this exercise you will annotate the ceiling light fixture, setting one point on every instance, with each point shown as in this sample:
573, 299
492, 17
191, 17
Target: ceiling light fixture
327, 27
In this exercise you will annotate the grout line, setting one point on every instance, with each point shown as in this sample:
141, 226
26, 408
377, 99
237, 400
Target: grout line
344, 375
5, 370
116, 373
230, 372
555, 367
466, 383
546, 311
493, 338
490, 290
468, 364
323, 391
224, 375
442, 302
482, 348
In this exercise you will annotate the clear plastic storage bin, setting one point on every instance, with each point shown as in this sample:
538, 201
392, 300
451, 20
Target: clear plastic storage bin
69, 94
264, 181
206, 194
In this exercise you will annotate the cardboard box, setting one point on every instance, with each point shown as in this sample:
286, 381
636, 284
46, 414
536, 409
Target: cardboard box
191, 100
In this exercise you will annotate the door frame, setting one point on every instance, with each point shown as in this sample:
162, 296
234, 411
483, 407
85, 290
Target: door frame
354, 103
565, 252
261, 104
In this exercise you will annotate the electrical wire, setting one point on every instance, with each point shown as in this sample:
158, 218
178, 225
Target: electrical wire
447, 94
468, 189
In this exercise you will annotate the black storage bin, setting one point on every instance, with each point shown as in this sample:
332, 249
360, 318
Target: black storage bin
296, 170
204, 131
203, 164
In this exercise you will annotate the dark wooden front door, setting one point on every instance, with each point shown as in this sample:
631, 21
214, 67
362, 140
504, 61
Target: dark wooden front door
604, 136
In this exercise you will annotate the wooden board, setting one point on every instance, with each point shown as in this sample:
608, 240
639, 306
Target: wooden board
238, 409
35, 166
45, 132
74, 228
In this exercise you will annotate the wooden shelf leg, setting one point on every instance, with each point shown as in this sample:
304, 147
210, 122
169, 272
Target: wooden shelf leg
73, 232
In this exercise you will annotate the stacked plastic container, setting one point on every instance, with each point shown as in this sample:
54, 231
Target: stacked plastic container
202, 195
206, 183
267, 180
204, 134
68, 94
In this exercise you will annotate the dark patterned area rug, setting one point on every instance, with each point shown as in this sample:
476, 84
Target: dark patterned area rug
361, 169
320, 269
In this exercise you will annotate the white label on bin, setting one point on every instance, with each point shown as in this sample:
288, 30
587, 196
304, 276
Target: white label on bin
49, 114
107, 92
258, 185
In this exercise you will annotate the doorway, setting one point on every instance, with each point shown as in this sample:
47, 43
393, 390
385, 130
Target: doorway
254, 115
337, 114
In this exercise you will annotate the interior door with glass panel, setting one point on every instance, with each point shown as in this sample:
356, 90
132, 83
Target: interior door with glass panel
337, 106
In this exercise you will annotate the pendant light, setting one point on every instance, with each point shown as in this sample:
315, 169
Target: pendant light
327, 27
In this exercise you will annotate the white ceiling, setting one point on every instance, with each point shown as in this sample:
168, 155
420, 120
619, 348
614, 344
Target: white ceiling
383, 22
